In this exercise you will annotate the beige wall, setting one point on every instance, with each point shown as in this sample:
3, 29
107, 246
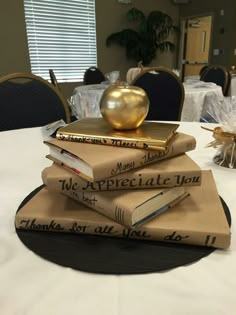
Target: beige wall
14, 50
110, 17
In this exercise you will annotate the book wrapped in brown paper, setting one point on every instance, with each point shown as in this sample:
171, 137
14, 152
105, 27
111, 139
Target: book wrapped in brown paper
150, 135
198, 219
177, 171
96, 162
129, 207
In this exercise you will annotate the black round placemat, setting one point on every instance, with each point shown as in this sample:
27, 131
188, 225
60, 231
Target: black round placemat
110, 255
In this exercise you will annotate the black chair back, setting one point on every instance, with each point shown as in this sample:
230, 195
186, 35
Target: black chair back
165, 92
203, 69
93, 76
219, 75
29, 101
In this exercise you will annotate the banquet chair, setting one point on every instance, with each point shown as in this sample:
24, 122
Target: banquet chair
54, 79
203, 69
219, 75
93, 75
165, 92
28, 101
57, 85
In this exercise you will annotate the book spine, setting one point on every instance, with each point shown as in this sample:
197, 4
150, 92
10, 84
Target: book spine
124, 181
116, 230
95, 201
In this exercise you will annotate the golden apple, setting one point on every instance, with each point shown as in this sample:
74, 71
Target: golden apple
124, 107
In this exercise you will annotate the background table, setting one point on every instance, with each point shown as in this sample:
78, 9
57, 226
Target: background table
86, 100
29, 285
196, 98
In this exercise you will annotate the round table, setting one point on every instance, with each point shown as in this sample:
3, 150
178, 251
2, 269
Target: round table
32, 285
197, 96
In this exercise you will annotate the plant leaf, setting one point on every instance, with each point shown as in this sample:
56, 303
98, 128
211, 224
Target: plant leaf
149, 36
159, 21
165, 46
123, 38
135, 15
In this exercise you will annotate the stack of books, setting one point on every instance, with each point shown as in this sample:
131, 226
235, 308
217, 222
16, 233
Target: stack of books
141, 184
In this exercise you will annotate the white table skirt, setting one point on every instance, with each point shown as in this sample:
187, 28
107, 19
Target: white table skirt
86, 100
30, 285
197, 99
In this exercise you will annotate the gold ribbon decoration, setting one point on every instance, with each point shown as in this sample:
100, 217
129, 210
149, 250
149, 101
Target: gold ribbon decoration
221, 136
227, 155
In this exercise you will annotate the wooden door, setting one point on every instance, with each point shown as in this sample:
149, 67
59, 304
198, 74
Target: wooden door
197, 43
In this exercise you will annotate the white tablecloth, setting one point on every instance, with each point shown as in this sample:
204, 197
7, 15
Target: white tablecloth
86, 100
197, 98
30, 285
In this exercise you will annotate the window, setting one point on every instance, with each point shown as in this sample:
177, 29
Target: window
61, 36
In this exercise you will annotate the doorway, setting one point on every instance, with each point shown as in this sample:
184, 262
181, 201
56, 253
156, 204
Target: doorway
195, 44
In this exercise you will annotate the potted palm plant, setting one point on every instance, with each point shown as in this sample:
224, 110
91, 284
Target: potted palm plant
150, 34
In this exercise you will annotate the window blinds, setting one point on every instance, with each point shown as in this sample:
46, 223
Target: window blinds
61, 36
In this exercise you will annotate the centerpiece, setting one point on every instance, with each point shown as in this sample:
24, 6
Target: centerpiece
124, 107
